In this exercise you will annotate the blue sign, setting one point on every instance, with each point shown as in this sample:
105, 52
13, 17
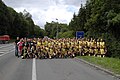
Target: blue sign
79, 34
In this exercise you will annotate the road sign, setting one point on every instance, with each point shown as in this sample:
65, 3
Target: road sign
79, 34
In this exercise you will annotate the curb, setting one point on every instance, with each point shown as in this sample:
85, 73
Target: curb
99, 68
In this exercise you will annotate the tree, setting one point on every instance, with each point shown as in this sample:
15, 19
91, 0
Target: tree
4, 19
67, 34
100, 19
51, 29
15, 24
39, 32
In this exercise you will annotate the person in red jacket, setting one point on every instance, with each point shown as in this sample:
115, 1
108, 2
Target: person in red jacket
20, 47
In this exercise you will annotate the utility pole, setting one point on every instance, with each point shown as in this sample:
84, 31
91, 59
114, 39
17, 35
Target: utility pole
57, 29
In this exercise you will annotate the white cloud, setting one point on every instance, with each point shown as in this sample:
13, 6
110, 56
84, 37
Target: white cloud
47, 10
75, 2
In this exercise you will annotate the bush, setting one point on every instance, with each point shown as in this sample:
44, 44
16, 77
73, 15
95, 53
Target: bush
68, 34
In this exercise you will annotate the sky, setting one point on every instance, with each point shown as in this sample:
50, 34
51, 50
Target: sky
43, 11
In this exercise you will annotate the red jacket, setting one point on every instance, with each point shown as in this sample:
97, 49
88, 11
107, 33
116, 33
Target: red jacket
20, 46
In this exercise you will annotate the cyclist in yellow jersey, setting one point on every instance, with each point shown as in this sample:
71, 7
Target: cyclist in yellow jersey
98, 43
85, 51
51, 52
49, 44
46, 42
42, 52
38, 44
88, 44
102, 51
102, 44
77, 50
59, 44
39, 51
64, 52
96, 51
80, 49
43, 42
91, 51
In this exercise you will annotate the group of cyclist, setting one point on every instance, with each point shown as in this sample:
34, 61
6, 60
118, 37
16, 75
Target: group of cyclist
59, 48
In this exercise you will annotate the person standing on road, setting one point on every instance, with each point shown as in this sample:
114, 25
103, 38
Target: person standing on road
20, 47
16, 46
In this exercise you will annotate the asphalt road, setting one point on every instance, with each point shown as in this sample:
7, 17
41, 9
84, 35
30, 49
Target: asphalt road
13, 68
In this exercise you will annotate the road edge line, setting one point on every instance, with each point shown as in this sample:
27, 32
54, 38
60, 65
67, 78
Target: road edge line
34, 70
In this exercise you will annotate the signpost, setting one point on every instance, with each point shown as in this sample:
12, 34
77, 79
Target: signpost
79, 34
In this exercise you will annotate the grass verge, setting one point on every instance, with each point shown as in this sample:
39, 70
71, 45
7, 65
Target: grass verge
111, 64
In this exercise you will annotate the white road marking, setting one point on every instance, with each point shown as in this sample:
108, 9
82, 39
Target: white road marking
6, 53
6, 45
34, 70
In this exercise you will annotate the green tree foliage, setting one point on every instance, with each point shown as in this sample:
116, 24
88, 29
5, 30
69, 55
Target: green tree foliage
17, 24
100, 19
39, 32
51, 30
78, 21
68, 34
4, 19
